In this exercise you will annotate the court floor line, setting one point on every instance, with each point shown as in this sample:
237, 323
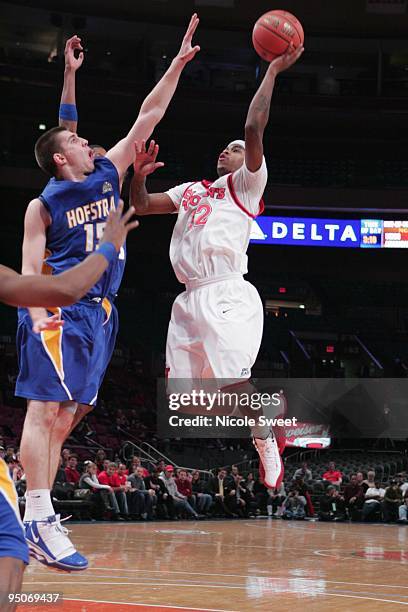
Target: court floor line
165, 606
263, 577
305, 592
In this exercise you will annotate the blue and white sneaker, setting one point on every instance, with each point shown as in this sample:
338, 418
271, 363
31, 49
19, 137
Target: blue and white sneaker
49, 543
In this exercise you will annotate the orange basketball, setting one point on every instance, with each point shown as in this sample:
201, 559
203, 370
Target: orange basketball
273, 33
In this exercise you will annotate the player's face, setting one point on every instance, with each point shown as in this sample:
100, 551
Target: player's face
230, 159
76, 153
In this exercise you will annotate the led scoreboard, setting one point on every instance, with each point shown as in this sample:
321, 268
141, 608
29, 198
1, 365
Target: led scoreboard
343, 233
396, 234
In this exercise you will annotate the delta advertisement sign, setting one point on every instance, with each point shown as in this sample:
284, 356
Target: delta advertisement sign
343, 233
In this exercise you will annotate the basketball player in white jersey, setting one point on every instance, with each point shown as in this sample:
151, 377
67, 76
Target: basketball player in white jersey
216, 324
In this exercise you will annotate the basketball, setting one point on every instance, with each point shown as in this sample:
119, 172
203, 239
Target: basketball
274, 32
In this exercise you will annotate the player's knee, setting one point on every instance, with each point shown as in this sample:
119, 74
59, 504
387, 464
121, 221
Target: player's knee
41, 415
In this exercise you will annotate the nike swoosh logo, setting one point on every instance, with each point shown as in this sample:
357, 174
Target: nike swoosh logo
228, 310
35, 538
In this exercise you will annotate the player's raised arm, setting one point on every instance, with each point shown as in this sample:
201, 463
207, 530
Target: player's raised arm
144, 164
68, 116
156, 103
68, 287
258, 113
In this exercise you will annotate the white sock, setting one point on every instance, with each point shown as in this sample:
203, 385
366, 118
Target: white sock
28, 515
40, 504
269, 510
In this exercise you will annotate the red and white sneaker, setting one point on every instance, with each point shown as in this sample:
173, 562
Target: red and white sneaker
271, 468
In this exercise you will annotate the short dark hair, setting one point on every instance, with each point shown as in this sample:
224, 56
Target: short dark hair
45, 147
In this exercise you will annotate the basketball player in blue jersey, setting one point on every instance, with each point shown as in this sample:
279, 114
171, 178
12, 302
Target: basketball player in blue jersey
61, 367
68, 118
61, 290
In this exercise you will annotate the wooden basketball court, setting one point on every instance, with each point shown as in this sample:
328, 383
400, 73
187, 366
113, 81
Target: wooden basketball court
236, 565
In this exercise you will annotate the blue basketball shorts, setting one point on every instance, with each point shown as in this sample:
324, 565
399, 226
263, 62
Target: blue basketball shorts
68, 363
12, 540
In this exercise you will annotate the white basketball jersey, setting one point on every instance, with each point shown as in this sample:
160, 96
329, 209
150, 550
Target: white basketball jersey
214, 223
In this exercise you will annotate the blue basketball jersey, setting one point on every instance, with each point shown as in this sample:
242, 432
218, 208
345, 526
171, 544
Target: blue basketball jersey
78, 212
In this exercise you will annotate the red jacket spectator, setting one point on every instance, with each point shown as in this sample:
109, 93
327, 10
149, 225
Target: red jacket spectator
71, 472
332, 475
184, 484
113, 480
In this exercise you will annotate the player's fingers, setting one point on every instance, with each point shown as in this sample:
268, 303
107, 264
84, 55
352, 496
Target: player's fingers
119, 209
128, 214
190, 29
131, 226
194, 26
151, 147
158, 165
155, 152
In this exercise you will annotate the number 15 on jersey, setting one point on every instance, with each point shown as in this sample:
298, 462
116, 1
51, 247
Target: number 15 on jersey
93, 237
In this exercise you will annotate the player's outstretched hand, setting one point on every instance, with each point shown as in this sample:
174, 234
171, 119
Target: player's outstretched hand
145, 162
285, 61
72, 62
187, 51
118, 225
47, 323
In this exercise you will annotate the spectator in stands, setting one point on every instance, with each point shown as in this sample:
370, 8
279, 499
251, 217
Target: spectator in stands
100, 457
102, 494
123, 472
10, 454
333, 476
180, 501
354, 497
184, 487
362, 482
62, 489
135, 463
294, 506
234, 471
404, 484
370, 480
165, 504
219, 487
252, 504
111, 478
303, 489
373, 500
203, 499
275, 499
304, 473
392, 502
403, 510
235, 497
332, 505
161, 466
65, 454
71, 471
250, 482
142, 499
2, 452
